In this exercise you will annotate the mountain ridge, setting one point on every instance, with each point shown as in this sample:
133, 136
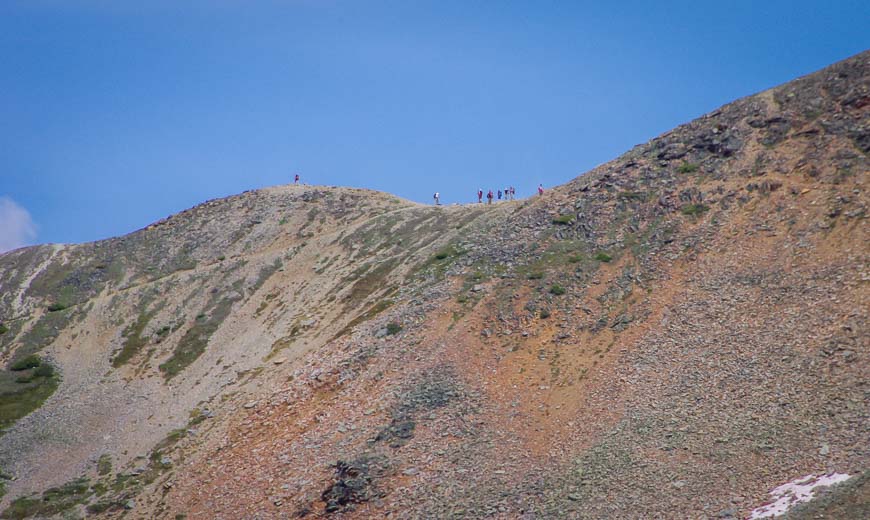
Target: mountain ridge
313, 351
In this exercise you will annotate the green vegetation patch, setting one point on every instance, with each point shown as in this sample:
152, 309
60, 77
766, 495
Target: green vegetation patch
169, 441
687, 167
133, 340
42, 333
438, 263
449, 251
105, 505
83, 276
25, 389
195, 340
373, 311
603, 257
557, 289
53, 501
3, 329
104, 464
55, 307
44, 370
558, 255
58, 281
196, 416
442, 254
266, 272
370, 282
393, 328
124, 485
31, 361
24, 386
694, 209
563, 220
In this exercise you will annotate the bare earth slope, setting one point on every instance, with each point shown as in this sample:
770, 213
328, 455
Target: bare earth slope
673, 334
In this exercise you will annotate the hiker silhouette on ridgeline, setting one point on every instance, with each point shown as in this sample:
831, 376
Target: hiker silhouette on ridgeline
437, 198
513, 192
499, 194
489, 197
540, 189
296, 179
479, 195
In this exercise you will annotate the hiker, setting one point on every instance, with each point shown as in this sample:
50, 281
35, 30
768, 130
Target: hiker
540, 189
499, 194
489, 197
437, 197
513, 192
296, 180
479, 195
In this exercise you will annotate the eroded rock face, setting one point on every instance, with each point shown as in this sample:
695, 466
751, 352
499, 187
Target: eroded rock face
692, 309
352, 484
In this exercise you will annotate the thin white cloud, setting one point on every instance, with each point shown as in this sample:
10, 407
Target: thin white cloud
16, 227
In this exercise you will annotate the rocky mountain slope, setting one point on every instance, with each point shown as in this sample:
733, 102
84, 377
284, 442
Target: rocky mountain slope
673, 334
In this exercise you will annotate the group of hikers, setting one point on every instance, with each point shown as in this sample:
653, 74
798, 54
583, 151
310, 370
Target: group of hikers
508, 193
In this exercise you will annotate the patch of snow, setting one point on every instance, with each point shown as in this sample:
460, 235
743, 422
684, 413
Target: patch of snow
795, 492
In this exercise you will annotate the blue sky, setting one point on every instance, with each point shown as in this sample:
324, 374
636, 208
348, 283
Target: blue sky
114, 114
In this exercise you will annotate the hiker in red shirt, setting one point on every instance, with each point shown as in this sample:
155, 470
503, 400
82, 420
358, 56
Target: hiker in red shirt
489, 197
540, 189
479, 195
